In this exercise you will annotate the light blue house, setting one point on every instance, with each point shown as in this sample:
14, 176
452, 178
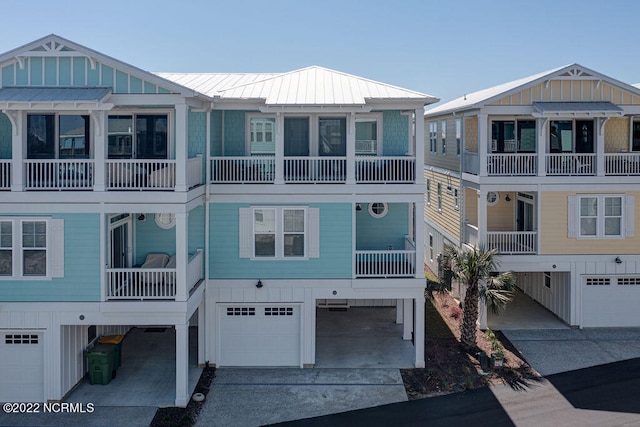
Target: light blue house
239, 203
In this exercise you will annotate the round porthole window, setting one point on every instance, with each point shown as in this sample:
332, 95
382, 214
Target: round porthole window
165, 220
492, 198
378, 210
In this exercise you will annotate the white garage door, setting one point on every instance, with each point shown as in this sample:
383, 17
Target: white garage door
259, 335
21, 366
610, 301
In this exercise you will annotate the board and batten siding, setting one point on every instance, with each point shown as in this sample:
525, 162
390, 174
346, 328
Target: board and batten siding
81, 281
77, 72
335, 246
557, 298
448, 218
554, 229
570, 90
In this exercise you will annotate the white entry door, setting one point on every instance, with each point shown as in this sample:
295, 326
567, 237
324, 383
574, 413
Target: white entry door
259, 334
21, 366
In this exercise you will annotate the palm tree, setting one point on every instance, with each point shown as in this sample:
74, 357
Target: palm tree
476, 269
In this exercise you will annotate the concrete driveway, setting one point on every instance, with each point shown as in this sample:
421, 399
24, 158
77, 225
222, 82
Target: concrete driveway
254, 397
551, 351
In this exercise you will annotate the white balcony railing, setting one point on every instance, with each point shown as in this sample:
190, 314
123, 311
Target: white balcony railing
315, 169
622, 163
512, 164
58, 174
386, 263
240, 169
570, 164
151, 283
5, 174
471, 234
194, 171
513, 242
370, 169
140, 174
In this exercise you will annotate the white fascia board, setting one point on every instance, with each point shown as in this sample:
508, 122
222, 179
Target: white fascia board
301, 109
34, 201
378, 104
248, 105
146, 99
268, 197
506, 110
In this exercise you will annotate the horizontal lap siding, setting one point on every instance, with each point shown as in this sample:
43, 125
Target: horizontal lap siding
380, 233
449, 217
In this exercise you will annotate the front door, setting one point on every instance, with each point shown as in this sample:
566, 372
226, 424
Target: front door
525, 215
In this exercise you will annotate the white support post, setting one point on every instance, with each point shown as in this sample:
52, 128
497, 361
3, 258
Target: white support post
202, 328
418, 336
419, 145
18, 150
484, 145
351, 149
279, 179
541, 125
600, 160
408, 319
399, 311
52, 337
182, 243
99, 149
182, 364
482, 217
181, 146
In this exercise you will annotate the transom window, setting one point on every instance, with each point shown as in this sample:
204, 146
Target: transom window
138, 136
65, 138
601, 216
279, 232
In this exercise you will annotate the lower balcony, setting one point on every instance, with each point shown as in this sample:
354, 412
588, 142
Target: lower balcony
506, 242
156, 279
387, 263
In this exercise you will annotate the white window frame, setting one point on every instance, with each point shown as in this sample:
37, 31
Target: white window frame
377, 117
280, 233
433, 137
601, 216
249, 134
54, 248
374, 214
439, 192
428, 191
490, 200
458, 136
443, 136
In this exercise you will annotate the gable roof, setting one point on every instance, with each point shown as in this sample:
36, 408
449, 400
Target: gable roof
486, 96
307, 86
54, 45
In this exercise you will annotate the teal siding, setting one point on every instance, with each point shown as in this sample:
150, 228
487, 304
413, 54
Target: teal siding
64, 67
198, 137
79, 67
107, 76
81, 281
135, 85
216, 133
35, 65
122, 82
234, 133
5, 137
152, 239
149, 88
163, 90
93, 75
7, 75
196, 228
380, 233
395, 130
22, 75
50, 71
335, 247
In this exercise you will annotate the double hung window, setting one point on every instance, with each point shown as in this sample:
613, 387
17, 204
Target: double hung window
262, 135
601, 216
433, 137
279, 232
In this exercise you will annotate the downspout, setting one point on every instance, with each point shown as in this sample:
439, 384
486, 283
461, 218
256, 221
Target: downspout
207, 193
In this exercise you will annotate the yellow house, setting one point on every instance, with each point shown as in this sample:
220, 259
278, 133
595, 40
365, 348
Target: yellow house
545, 169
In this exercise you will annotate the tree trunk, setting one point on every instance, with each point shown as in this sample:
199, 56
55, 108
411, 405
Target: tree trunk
470, 317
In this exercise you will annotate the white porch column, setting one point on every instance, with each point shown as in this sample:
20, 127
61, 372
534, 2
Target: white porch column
419, 238
482, 217
182, 146
408, 319
279, 179
182, 364
419, 145
182, 243
484, 145
18, 149
541, 126
399, 311
600, 160
202, 328
351, 149
100, 144
418, 336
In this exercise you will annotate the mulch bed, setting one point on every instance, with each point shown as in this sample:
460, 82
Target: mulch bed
449, 367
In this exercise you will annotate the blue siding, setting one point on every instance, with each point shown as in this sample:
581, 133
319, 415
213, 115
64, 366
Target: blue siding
64, 67
395, 129
79, 66
122, 82
234, 133
380, 233
35, 65
152, 239
22, 75
7, 75
81, 281
198, 136
335, 247
50, 71
216, 133
5, 137
107, 76
149, 88
93, 75
135, 85
196, 227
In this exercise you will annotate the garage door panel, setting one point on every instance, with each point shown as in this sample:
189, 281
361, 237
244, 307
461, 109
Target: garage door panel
21, 367
259, 335
610, 301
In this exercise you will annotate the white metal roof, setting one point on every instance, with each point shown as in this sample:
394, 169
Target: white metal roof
307, 86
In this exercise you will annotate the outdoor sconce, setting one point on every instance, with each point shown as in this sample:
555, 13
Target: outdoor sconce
141, 217
507, 198
618, 260
358, 207
259, 284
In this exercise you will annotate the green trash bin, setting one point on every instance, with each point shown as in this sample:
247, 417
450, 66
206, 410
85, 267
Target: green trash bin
116, 340
101, 360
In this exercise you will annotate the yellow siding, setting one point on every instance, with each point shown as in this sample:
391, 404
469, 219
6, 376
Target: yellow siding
616, 135
554, 229
556, 90
576, 90
501, 216
448, 218
471, 134
471, 206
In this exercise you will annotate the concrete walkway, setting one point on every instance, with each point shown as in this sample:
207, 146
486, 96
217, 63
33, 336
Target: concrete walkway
523, 312
254, 397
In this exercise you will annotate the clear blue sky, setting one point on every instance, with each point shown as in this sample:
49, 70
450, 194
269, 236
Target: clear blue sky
443, 48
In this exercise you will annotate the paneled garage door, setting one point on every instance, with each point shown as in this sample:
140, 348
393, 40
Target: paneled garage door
610, 301
259, 335
21, 366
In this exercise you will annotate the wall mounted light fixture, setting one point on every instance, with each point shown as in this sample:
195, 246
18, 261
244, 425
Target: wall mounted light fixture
507, 198
358, 207
141, 217
618, 260
259, 284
